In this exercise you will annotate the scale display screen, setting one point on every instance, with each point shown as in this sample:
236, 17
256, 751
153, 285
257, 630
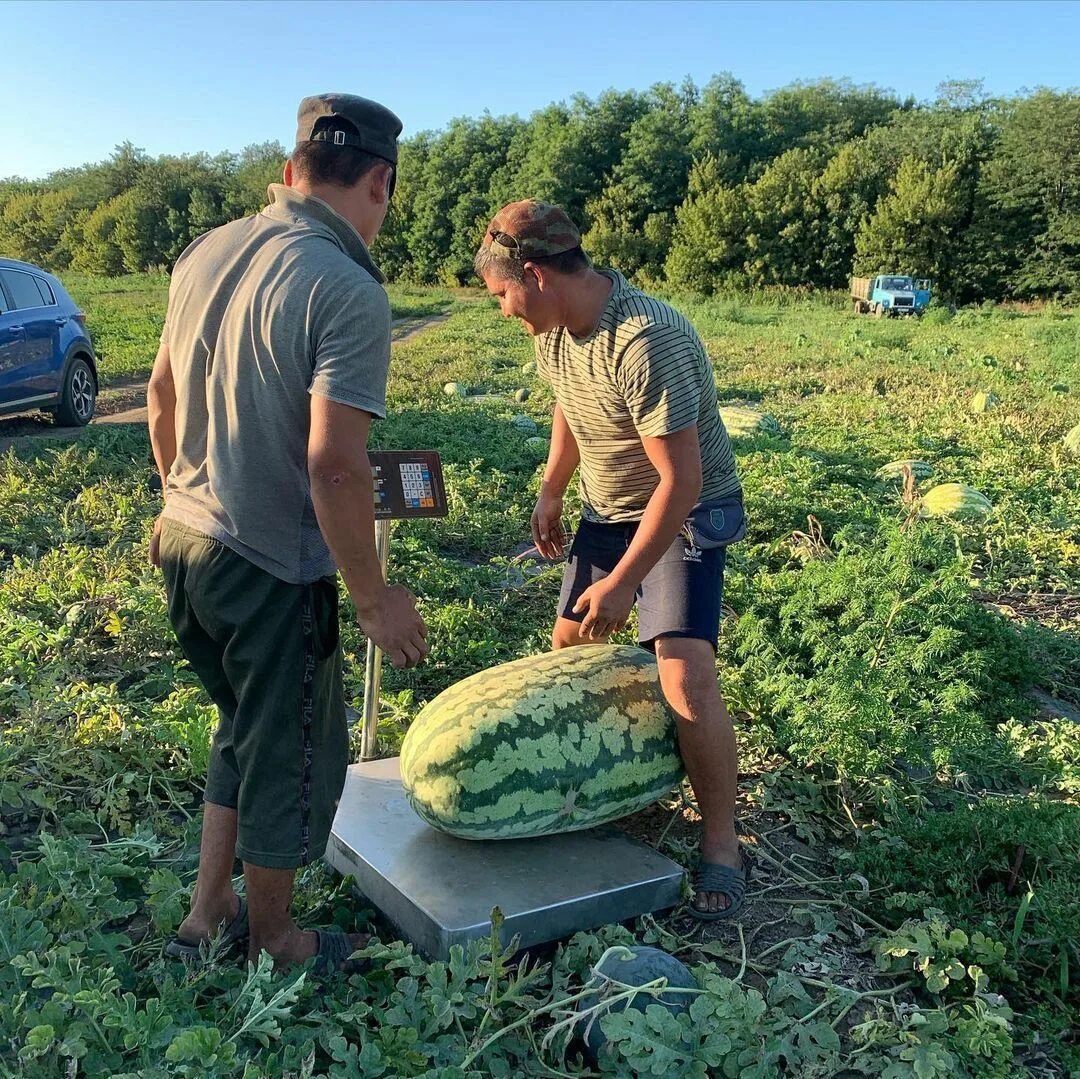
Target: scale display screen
408, 483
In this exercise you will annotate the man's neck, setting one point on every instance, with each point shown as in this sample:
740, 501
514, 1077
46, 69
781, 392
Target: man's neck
346, 204
586, 302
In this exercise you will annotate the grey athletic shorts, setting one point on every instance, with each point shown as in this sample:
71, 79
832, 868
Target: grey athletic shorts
682, 594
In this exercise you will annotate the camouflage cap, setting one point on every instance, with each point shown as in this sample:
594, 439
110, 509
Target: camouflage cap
531, 229
367, 124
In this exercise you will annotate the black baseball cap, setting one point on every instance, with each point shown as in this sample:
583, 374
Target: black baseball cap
366, 124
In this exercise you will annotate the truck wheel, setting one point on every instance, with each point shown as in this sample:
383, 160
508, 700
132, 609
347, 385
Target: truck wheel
879, 311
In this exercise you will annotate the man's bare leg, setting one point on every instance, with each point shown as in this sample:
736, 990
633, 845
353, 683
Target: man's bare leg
269, 898
214, 901
567, 634
707, 743
706, 740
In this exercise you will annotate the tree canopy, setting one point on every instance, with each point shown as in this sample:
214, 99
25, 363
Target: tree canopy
702, 188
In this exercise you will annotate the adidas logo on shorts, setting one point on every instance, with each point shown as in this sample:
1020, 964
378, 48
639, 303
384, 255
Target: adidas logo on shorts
692, 553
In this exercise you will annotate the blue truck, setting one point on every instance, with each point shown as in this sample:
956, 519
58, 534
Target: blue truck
890, 295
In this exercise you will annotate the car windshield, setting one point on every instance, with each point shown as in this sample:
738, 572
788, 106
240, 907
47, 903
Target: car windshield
896, 282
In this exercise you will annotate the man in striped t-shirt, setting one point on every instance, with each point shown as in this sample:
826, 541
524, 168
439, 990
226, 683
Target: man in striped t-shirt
636, 415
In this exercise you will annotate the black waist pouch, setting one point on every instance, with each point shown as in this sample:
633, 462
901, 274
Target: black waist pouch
716, 524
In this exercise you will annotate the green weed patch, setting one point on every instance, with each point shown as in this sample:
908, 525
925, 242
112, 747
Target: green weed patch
908, 796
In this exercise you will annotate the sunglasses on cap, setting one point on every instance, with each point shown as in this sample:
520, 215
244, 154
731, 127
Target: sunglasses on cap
508, 243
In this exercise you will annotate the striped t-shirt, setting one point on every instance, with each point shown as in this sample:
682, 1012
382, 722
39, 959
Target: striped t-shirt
643, 372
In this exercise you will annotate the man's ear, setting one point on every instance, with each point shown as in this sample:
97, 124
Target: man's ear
287, 174
535, 272
381, 177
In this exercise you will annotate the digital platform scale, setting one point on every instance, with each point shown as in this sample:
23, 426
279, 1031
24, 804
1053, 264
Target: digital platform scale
438, 890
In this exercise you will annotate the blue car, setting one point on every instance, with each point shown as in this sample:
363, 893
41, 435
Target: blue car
46, 358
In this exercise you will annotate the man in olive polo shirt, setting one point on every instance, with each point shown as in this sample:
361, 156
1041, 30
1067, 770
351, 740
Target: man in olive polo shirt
636, 413
273, 362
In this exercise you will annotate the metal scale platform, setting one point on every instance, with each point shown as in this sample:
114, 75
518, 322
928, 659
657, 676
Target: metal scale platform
438, 890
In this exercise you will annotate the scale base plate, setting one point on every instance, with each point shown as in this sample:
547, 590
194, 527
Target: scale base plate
438, 890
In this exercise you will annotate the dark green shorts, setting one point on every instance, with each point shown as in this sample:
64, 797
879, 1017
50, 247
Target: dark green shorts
269, 656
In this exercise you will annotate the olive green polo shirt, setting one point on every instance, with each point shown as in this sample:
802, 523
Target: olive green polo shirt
262, 313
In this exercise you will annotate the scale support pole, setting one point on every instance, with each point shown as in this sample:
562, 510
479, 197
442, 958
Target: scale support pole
369, 736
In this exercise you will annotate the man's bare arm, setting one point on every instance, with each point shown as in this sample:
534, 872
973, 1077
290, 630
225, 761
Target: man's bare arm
161, 412
343, 496
563, 459
677, 458
563, 456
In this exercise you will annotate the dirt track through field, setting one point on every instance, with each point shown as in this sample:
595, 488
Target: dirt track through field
123, 400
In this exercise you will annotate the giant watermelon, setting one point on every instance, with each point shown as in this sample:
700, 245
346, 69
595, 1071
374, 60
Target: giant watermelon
550, 743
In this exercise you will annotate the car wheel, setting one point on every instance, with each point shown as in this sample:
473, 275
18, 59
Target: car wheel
78, 396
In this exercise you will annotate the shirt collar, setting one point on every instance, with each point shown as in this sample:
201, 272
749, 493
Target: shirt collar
288, 202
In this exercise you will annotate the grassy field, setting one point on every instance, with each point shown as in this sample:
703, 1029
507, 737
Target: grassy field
125, 316
905, 692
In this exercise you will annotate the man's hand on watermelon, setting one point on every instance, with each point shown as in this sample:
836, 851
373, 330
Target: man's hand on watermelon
606, 606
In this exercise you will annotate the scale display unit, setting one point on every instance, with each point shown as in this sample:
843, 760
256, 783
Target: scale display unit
438, 890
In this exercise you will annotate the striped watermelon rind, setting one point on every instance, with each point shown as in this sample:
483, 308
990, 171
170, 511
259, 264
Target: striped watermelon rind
537, 445
984, 402
547, 744
954, 500
1072, 441
741, 422
894, 470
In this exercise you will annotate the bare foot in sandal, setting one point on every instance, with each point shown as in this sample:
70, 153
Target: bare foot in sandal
332, 947
719, 883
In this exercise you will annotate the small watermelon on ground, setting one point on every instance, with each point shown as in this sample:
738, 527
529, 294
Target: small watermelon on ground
551, 743
524, 423
894, 470
529, 368
1072, 441
742, 422
538, 447
983, 402
521, 395
637, 965
954, 500
455, 389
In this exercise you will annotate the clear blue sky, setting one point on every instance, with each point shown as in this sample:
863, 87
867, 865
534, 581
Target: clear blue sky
78, 78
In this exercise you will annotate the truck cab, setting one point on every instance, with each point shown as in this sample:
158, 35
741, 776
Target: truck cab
890, 295
895, 295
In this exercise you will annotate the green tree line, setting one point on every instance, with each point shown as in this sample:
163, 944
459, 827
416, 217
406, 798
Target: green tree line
700, 188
